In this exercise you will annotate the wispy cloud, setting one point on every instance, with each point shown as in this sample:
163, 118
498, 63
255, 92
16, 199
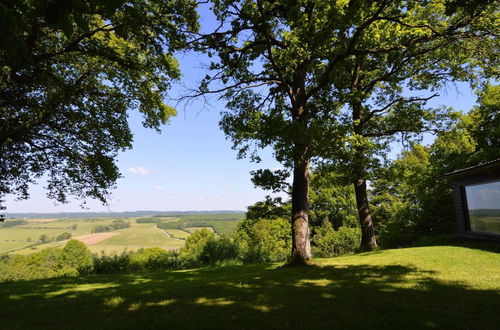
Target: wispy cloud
227, 186
158, 187
141, 170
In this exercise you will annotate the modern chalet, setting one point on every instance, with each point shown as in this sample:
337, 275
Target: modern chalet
477, 200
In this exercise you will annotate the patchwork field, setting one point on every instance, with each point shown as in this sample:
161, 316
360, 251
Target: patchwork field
25, 236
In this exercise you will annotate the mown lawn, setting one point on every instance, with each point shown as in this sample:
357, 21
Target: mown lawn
441, 287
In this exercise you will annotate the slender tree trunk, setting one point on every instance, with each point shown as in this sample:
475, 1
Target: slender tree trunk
301, 244
368, 241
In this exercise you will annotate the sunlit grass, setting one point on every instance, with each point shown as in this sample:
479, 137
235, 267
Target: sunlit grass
440, 287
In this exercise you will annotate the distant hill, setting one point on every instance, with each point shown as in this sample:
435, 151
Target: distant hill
133, 214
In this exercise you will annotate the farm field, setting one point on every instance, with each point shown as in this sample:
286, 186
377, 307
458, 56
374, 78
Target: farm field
193, 229
136, 237
168, 232
178, 233
439, 287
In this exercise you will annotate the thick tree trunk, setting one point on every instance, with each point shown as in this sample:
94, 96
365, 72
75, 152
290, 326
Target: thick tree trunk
301, 244
368, 241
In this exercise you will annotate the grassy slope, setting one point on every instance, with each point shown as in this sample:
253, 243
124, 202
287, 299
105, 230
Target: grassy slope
427, 287
138, 236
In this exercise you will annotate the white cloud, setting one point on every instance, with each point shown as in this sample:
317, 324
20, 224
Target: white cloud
141, 170
158, 187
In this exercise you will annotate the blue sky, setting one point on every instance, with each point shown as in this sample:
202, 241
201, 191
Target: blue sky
190, 166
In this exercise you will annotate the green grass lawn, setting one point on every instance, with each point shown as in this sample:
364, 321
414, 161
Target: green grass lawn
441, 287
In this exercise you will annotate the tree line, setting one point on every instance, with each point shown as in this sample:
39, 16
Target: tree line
329, 85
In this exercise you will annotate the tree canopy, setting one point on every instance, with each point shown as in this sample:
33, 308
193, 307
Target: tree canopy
325, 80
69, 72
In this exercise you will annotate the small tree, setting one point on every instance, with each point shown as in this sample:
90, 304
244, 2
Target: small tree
76, 258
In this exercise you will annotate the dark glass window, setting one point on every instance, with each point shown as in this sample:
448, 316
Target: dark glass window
483, 203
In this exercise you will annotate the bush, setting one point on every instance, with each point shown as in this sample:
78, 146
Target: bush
12, 223
63, 236
76, 258
153, 259
193, 253
106, 264
203, 247
328, 242
266, 240
115, 225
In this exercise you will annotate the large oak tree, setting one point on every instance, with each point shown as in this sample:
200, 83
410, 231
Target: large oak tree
69, 72
289, 69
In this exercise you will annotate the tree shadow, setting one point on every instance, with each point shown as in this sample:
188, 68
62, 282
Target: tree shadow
250, 297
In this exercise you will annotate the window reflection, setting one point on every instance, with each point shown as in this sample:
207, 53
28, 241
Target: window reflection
483, 203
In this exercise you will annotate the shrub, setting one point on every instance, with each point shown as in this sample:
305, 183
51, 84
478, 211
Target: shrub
63, 236
76, 258
220, 249
266, 240
193, 253
153, 259
106, 264
115, 225
12, 223
328, 242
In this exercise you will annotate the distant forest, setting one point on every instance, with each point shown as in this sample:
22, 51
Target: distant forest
116, 214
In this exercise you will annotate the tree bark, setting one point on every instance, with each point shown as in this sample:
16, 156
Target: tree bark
301, 243
368, 241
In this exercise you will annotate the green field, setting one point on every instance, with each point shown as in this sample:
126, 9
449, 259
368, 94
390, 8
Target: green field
178, 233
168, 232
136, 237
441, 287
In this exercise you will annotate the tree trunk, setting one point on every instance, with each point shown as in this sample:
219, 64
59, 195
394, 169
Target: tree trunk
368, 241
301, 244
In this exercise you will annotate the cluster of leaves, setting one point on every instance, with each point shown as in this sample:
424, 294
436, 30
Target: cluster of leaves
74, 259
115, 225
409, 198
69, 72
12, 223
143, 259
327, 242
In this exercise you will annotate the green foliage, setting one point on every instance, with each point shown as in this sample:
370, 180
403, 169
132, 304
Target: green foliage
331, 200
115, 225
410, 199
69, 73
153, 259
328, 242
265, 240
444, 287
76, 258
193, 254
63, 236
115, 263
12, 223
223, 224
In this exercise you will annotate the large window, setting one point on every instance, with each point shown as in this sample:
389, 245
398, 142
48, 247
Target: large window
483, 203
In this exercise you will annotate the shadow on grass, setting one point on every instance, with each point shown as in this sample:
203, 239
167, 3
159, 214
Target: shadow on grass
251, 297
